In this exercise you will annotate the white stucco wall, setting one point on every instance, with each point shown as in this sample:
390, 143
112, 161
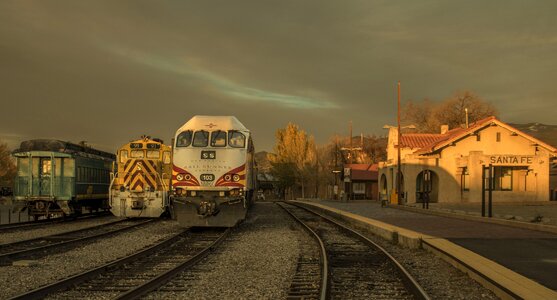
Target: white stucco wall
530, 183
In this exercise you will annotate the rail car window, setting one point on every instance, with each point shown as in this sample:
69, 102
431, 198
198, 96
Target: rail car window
46, 167
218, 138
166, 157
137, 154
123, 156
184, 139
201, 138
153, 154
236, 139
22, 166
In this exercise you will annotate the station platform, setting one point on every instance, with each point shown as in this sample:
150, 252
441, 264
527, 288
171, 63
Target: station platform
530, 253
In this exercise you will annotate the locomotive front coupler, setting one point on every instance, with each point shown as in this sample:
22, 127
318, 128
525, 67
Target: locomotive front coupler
207, 208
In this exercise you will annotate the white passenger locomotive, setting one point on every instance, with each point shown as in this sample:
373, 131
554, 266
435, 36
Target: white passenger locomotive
141, 184
213, 172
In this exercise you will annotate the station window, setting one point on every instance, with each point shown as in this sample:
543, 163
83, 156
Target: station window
465, 179
478, 137
184, 139
218, 138
236, 139
201, 138
502, 178
498, 137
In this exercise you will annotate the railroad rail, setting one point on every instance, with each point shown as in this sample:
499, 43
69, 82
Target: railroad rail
137, 274
4, 228
47, 245
355, 267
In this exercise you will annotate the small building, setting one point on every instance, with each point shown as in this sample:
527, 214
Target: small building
268, 185
360, 181
449, 165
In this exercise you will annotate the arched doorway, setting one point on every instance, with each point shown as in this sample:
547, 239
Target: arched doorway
427, 181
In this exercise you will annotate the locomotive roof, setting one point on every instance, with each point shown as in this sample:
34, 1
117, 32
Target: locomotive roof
61, 146
213, 123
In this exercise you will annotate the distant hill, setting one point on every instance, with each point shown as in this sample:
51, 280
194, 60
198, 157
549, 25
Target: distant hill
263, 163
543, 132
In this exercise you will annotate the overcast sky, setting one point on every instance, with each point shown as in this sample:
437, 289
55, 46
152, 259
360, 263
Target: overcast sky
109, 71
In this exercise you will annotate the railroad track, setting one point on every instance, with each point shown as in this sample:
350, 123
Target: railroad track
135, 275
353, 266
4, 228
47, 245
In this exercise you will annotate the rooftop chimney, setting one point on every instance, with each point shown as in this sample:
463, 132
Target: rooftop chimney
444, 129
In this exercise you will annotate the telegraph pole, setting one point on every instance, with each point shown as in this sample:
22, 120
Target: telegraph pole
350, 153
398, 174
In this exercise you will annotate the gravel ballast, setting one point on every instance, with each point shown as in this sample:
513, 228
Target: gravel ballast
257, 261
50, 229
438, 278
55, 267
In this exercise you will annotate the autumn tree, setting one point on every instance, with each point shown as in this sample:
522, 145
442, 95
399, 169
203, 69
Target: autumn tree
7, 166
428, 116
294, 160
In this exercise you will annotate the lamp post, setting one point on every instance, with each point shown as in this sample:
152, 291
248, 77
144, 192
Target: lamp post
335, 188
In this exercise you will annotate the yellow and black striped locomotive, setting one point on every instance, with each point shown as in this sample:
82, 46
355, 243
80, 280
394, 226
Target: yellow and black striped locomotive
140, 186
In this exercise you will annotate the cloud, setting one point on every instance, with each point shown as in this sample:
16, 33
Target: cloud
216, 83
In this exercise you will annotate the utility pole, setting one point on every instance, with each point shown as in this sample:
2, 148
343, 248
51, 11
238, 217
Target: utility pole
398, 174
350, 154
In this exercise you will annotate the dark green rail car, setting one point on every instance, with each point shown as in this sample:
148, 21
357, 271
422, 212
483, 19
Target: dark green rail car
61, 177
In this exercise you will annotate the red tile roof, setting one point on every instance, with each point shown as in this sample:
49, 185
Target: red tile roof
458, 133
418, 140
366, 172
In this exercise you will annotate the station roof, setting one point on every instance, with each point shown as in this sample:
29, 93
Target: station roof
363, 172
456, 134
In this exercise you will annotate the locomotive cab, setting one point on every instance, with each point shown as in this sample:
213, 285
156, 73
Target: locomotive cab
212, 176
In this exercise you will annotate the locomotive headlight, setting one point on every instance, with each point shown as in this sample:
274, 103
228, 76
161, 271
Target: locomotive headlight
236, 177
193, 193
187, 177
180, 177
227, 177
122, 188
178, 191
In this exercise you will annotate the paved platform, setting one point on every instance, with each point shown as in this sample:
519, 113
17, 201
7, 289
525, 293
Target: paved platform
530, 253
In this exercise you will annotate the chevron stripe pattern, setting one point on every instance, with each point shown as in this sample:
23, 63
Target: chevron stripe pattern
140, 173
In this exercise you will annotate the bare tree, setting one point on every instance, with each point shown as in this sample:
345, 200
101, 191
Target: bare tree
428, 115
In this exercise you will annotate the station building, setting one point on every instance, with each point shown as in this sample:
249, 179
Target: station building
449, 164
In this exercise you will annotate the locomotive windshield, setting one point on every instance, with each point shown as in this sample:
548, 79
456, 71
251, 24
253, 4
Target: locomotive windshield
236, 139
184, 139
137, 154
218, 138
201, 138
153, 153
123, 156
